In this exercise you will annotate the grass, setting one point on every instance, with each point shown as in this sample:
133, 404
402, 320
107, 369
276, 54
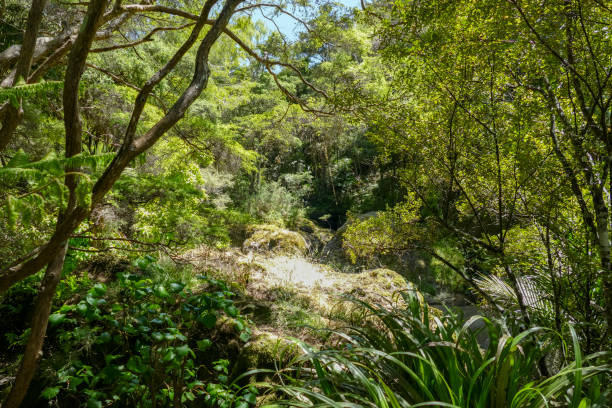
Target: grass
408, 358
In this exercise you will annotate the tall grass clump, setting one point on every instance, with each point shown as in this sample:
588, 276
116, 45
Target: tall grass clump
410, 357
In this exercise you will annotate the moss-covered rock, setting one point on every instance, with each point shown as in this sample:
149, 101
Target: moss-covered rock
265, 351
270, 238
316, 237
383, 278
376, 285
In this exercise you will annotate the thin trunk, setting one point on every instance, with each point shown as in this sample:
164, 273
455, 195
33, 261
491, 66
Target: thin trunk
603, 243
75, 215
131, 148
29, 40
13, 115
72, 124
553, 278
33, 351
12, 119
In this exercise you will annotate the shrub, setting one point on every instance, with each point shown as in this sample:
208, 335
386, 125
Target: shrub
147, 345
273, 203
407, 358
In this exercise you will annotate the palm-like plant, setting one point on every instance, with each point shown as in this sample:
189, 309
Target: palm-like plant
409, 357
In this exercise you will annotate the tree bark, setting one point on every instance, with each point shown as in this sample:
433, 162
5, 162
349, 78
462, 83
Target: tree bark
72, 124
13, 115
12, 119
603, 243
29, 40
129, 150
55, 250
33, 352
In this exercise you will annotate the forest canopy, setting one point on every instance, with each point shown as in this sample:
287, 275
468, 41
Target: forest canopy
239, 203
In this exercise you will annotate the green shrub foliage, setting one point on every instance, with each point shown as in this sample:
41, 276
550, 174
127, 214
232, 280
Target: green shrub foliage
147, 345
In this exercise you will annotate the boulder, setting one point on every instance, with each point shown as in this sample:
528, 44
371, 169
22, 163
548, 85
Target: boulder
316, 237
270, 238
265, 351
380, 285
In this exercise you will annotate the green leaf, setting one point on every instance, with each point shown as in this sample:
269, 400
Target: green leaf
176, 287
20, 159
50, 392
109, 358
232, 310
204, 344
105, 337
239, 325
182, 351
161, 292
250, 398
245, 336
56, 318
82, 308
94, 403
208, 320
98, 290
169, 356
134, 364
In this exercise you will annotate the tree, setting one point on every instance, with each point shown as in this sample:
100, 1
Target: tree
100, 21
503, 111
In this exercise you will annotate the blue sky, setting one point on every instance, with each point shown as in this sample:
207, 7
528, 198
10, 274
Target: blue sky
289, 26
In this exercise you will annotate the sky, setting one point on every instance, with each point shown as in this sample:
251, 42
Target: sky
289, 26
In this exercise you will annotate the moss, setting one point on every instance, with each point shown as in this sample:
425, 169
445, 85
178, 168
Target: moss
380, 282
265, 351
306, 225
270, 238
386, 278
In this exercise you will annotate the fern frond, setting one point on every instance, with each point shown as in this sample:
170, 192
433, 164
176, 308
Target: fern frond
29, 91
530, 287
53, 165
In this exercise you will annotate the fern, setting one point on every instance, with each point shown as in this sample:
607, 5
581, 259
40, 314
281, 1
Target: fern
532, 288
51, 165
29, 91
44, 180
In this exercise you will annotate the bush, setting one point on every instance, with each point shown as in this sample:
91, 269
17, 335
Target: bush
146, 345
407, 357
273, 203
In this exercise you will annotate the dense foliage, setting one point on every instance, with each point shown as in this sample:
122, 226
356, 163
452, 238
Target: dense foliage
409, 357
465, 144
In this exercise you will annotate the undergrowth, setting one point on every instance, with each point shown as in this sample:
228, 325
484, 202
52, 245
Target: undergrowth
408, 358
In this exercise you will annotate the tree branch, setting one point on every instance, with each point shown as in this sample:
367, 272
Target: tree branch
144, 39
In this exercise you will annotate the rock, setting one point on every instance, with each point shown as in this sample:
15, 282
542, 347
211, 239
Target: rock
306, 225
265, 350
381, 281
270, 238
380, 285
316, 237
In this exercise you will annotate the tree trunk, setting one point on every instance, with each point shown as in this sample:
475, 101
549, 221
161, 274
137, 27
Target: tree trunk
13, 115
33, 351
11, 119
603, 243
72, 124
55, 250
29, 40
